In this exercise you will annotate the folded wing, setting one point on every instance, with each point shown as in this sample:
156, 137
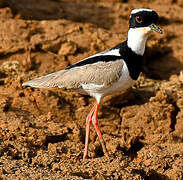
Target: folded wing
100, 73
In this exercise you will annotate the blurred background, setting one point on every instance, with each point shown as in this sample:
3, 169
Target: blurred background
42, 130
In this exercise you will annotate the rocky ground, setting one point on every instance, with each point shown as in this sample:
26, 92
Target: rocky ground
42, 130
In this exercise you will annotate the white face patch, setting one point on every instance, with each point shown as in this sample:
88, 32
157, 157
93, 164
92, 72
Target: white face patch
134, 11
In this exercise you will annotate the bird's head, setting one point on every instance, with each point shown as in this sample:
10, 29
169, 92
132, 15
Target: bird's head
144, 21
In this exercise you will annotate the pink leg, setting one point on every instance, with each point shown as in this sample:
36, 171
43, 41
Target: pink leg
88, 123
95, 123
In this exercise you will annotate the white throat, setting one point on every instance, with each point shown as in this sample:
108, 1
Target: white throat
137, 38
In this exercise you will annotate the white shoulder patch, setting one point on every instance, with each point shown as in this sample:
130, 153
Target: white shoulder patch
112, 52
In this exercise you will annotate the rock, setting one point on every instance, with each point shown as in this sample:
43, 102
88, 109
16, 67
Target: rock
5, 13
56, 167
4, 104
10, 67
68, 48
51, 46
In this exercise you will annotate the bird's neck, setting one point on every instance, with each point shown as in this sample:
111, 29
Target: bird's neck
137, 40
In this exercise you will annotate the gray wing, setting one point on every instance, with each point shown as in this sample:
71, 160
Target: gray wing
46, 81
100, 73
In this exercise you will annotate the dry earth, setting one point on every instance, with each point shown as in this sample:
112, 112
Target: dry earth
42, 130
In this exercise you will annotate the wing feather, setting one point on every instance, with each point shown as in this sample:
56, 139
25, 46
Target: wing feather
100, 73
46, 81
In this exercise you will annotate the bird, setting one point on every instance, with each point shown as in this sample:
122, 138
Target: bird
107, 72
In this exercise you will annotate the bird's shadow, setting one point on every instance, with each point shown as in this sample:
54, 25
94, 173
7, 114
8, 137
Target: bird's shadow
76, 11
130, 97
21, 113
151, 175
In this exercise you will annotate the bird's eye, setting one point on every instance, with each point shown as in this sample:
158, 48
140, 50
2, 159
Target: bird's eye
139, 19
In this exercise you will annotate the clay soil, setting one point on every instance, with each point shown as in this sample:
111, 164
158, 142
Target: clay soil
42, 131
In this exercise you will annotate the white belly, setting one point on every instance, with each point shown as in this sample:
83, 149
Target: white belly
99, 91
123, 83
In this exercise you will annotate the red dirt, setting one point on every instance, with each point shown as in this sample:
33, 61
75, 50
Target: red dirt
42, 130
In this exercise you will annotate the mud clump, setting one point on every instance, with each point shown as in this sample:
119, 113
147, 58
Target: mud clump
4, 104
42, 131
68, 48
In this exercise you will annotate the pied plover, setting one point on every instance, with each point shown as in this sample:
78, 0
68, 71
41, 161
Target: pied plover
106, 72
